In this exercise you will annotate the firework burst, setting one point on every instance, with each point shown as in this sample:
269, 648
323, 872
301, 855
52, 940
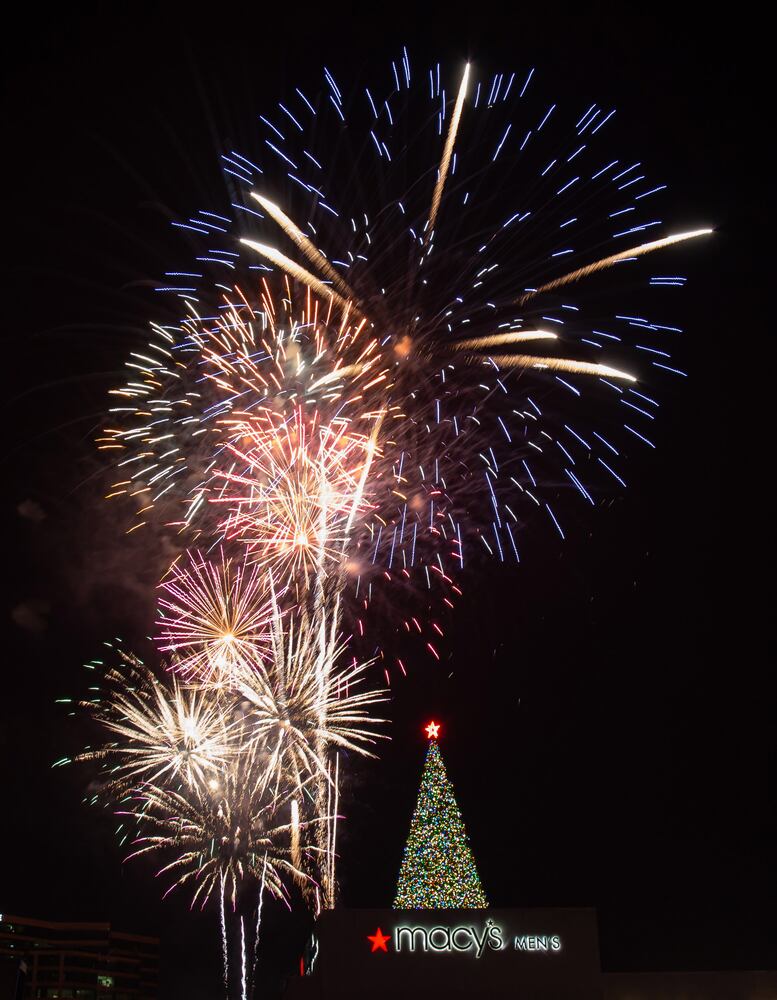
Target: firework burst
214, 618
161, 733
219, 835
310, 700
296, 494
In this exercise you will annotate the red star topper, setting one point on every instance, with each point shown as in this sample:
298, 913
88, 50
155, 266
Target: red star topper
433, 730
379, 940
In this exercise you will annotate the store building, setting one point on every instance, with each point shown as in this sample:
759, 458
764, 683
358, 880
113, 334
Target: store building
77, 961
532, 954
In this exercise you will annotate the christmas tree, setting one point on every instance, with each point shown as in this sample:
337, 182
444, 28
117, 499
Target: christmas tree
438, 870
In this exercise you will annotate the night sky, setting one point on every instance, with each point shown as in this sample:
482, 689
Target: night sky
608, 722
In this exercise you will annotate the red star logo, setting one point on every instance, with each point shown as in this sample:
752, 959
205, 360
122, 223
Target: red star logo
379, 940
433, 730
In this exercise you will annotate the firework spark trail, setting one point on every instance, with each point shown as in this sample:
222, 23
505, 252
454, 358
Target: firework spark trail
559, 364
259, 908
325, 666
357, 501
497, 339
311, 251
327, 656
445, 162
333, 836
295, 271
243, 983
295, 841
605, 262
223, 927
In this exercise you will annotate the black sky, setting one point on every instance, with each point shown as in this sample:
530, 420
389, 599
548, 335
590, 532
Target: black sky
610, 720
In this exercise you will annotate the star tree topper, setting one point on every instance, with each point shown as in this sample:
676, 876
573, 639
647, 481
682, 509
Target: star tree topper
433, 730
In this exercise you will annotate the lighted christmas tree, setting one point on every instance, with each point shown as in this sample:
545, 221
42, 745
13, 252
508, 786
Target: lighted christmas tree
438, 870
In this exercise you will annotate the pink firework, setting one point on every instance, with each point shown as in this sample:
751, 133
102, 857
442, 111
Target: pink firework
293, 491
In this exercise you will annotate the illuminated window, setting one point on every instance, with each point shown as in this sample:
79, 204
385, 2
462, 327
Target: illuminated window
105, 981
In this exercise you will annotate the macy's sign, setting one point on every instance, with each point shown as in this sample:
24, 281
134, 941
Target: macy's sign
462, 938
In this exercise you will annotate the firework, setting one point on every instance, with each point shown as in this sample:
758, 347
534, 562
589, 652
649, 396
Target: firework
265, 731
161, 733
223, 840
426, 301
373, 375
616, 258
445, 162
307, 247
219, 835
311, 700
293, 499
214, 617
